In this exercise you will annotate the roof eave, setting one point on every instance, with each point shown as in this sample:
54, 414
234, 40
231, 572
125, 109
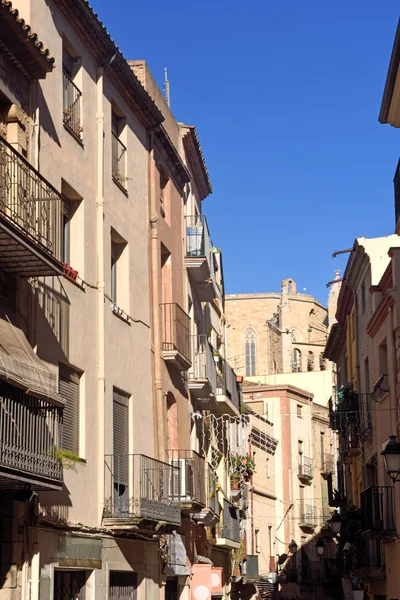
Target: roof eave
390, 78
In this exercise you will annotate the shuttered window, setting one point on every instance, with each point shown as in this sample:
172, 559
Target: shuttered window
69, 390
120, 437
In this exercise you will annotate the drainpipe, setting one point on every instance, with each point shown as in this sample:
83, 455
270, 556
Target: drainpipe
100, 291
155, 291
35, 572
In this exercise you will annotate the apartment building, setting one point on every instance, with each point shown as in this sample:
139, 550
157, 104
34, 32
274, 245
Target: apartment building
363, 412
119, 408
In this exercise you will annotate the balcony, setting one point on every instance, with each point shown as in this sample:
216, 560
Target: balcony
327, 464
308, 518
203, 373
228, 391
200, 261
251, 568
381, 388
30, 218
306, 470
228, 532
30, 433
377, 511
209, 515
176, 336
366, 559
138, 493
72, 107
188, 485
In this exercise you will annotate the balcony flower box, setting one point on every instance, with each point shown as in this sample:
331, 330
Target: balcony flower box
70, 272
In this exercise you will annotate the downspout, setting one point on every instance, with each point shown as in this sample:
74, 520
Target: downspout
100, 291
155, 291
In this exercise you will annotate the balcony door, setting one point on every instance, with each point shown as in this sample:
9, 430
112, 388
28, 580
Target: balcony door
120, 452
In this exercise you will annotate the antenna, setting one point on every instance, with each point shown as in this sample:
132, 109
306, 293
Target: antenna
166, 86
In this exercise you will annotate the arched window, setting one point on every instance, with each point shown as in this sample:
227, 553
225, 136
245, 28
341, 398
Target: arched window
310, 361
296, 364
250, 352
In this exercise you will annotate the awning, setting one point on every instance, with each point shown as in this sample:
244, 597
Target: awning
20, 366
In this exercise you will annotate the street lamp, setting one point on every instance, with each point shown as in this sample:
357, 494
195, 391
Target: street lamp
336, 523
391, 456
320, 547
293, 547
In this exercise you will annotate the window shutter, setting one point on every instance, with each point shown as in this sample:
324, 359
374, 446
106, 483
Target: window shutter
69, 390
120, 437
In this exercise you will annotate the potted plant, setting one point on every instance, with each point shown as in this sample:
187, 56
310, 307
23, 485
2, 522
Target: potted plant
235, 481
242, 468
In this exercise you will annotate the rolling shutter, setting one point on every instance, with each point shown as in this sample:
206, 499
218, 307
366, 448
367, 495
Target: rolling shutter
123, 585
120, 437
69, 390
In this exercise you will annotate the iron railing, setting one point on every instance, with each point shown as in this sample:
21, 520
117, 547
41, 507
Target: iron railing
188, 483
203, 363
327, 463
212, 492
227, 384
308, 516
198, 242
381, 388
118, 152
30, 433
72, 106
231, 525
306, 470
137, 486
29, 201
366, 554
176, 329
377, 510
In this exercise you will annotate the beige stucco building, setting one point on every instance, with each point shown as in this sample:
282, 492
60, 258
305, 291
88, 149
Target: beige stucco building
117, 399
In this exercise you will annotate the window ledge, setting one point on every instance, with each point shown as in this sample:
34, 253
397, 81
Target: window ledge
76, 137
120, 186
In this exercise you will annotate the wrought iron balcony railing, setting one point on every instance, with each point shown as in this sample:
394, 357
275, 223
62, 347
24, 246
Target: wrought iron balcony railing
327, 463
377, 511
30, 433
203, 363
308, 516
176, 335
72, 106
139, 487
31, 213
381, 388
227, 386
188, 484
306, 470
230, 528
118, 152
199, 246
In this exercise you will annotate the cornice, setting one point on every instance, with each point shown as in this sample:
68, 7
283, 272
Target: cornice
335, 342
196, 161
176, 168
379, 316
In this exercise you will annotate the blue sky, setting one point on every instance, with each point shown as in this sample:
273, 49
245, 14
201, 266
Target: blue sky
285, 97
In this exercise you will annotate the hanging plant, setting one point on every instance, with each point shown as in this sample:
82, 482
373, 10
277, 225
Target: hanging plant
242, 468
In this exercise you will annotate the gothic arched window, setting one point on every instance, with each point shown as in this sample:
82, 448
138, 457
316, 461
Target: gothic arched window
250, 352
296, 364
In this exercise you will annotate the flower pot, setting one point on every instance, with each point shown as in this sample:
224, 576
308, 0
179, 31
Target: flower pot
234, 486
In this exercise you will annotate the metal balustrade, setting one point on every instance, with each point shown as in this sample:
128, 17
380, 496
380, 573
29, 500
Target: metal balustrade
308, 516
176, 330
377, 510
227, 384
198, 243
32, 207
305, 468
203, 363
30, 434
137, 486
188, 484
72, 106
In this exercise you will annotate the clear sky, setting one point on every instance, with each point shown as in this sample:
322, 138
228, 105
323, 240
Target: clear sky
285, 97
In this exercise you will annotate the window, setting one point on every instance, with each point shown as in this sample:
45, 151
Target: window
71, 94
66, 232
69, 585
250, 352
322, 447
296, 364
363, 297
322, 363
72, 228
257, 540
123, 585
310, 361
120, 450
119, 280
164, 192
69, 381
299, 411
118, 150
267, 468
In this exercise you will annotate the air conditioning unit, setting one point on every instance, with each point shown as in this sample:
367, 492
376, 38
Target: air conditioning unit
182, 480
